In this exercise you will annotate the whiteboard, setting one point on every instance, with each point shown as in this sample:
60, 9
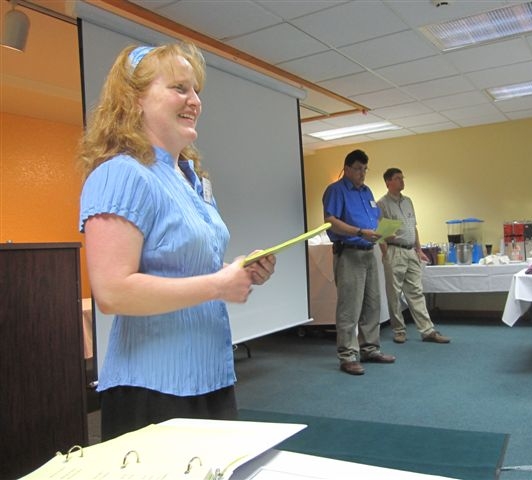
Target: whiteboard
250, 142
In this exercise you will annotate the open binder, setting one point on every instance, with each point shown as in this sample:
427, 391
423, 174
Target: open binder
179, 449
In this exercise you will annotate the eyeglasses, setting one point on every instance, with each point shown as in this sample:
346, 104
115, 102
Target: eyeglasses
359, 169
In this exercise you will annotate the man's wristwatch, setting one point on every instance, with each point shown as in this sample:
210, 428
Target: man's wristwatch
359, 233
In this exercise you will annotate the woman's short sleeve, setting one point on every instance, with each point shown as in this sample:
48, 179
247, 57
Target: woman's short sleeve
120, 186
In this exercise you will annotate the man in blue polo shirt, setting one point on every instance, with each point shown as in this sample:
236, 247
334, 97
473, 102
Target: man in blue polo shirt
350, 207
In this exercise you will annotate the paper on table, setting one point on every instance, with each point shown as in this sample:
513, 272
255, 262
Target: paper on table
167, 450
265, 474
387, 227
277, 248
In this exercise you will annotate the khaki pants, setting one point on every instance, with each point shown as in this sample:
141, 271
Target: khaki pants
402, 271
358, 305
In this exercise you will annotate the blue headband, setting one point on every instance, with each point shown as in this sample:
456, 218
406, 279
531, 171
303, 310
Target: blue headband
137, 55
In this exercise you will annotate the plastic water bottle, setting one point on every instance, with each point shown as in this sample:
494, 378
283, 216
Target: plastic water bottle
451, 255
477, 253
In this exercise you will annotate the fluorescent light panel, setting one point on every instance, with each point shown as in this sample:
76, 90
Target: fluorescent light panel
354, 130
510, 91
483, 27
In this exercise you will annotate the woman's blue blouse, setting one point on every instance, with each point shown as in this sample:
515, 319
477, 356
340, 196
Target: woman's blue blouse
188, 351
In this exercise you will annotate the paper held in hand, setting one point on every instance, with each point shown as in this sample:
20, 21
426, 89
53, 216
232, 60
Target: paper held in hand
387, 228
277, 248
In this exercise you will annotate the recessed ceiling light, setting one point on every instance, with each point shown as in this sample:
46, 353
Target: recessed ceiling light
481, 28
510, 91
355, 130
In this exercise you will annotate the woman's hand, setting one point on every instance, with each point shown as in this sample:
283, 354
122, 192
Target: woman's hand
234, 282
262, 269
114, 248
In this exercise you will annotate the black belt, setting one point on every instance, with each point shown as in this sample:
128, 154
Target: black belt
406, 247
339, 246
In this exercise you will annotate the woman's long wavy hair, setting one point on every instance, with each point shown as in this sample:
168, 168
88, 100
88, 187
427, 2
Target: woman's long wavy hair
115, 124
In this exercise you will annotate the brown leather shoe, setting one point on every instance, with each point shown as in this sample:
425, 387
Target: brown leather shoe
399, 337
353, 368
378, 357
436, 337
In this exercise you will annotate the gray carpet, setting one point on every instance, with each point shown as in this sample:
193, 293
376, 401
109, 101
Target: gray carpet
480, 382
432, 451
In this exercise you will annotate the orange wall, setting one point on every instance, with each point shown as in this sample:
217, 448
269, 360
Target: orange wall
39, 184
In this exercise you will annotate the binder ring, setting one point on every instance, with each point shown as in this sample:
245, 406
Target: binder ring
124, 462
72, 450
189, 466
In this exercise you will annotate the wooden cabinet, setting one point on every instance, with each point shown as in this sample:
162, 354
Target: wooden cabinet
43, 388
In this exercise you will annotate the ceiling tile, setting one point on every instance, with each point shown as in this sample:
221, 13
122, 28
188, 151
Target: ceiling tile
482, 120
419, 120
418, 70
278, 44
353, 119
363, 50
519, 114
402, 111
351, 22
500, 76
324, 102
352, 85
514, 104
492, 55
439, 87
389, 134
383, 98
417, 13
290, 9
224, 19
389, 50
458, 100
308, 140
322, 66
474, 111
353, 140
305, 113
313, 127
435, 127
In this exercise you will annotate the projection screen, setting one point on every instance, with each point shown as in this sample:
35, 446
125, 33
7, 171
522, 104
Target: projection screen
249, 138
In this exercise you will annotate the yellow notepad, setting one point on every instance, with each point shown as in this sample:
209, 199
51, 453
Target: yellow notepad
387, 228
277, 248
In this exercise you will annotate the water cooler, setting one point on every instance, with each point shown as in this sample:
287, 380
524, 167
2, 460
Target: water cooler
455, 231
472, 228
455, 236
465, 240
